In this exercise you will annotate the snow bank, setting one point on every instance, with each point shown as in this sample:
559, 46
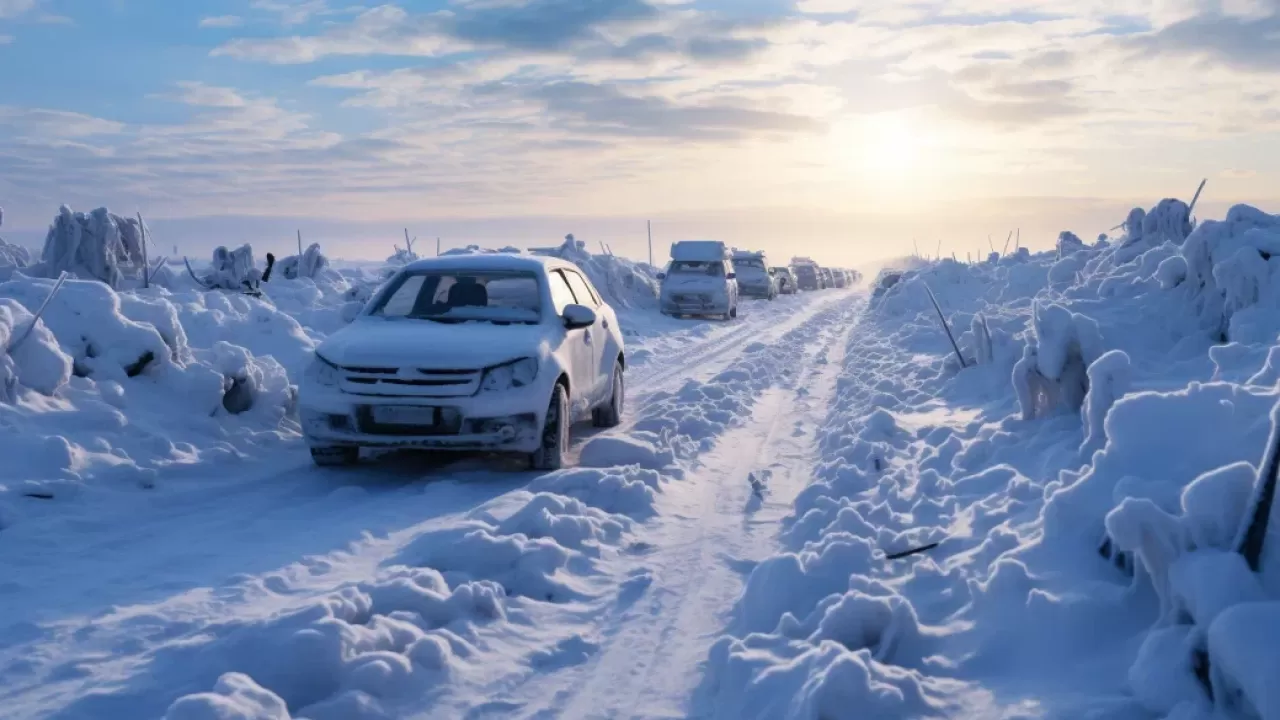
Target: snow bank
1079, 492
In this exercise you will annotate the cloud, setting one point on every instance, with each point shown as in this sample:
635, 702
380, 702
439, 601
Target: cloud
14, 8
1250, 42
583, 107
293, 12
222, 21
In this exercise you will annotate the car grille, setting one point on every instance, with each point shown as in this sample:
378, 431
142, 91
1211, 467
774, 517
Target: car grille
409, 382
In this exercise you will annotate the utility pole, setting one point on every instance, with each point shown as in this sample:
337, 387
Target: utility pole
650, 223
437, 247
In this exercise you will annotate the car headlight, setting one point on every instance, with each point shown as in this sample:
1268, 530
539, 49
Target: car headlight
513, 374
323, 373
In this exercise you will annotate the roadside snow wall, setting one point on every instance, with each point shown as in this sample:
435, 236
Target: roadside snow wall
1136, 431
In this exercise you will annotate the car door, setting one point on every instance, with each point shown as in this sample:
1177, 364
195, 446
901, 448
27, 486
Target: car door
579, 355
601, 335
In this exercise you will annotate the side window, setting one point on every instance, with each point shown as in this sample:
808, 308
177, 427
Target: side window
561, 295
580, 289
403, 298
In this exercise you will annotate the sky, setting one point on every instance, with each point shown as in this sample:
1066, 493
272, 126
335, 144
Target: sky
843, 129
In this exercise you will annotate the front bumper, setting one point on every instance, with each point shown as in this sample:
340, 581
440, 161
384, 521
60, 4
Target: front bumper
755, 291
693, 305
507, 421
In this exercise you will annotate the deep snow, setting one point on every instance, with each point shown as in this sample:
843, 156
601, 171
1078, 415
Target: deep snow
1072, 501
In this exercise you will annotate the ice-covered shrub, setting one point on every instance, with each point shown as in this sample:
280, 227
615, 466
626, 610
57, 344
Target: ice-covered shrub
1228, 271
233, 270
307, 265
1053, 372
1109, 377
1068, 244
12, 257
90, 246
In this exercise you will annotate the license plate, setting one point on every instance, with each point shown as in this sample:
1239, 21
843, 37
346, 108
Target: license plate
405, 415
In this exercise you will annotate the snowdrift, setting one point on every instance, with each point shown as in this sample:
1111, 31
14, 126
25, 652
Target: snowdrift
1074, 493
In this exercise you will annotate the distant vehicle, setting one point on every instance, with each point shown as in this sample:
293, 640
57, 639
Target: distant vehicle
470, 353
754, 279
785, 280
699, 281
886, 280
841, 279
828, 279
807, 276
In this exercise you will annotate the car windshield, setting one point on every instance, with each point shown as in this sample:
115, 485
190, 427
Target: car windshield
805, 271
462, 296
696, 267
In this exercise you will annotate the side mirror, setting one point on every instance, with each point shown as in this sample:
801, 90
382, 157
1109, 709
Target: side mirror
732, 275
662, 276
577, 317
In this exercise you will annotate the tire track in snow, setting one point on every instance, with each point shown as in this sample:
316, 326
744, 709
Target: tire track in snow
648, 645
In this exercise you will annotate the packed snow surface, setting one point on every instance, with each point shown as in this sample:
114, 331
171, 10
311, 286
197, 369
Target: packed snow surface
815, 511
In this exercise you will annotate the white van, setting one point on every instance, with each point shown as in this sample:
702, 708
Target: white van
699, 281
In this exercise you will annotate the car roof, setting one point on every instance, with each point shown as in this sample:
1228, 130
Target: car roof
490, 261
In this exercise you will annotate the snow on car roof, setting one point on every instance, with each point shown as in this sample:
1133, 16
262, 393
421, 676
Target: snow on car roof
495, 261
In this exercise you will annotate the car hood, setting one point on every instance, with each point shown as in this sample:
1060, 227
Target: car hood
692, 283
372, 342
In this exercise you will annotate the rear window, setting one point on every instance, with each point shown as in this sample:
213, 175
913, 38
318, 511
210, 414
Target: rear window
756, 263
461, 296
696, 267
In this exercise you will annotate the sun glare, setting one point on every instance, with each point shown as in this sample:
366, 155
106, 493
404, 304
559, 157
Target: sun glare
884, 146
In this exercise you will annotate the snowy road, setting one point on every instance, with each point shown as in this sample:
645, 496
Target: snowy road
614, 581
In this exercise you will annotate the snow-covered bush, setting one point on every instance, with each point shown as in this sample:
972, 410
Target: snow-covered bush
308, 265
12, 257
1109, 378
90, 246
233, 270
1053, 372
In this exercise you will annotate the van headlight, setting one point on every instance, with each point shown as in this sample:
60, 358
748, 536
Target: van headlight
513, 374
323, 373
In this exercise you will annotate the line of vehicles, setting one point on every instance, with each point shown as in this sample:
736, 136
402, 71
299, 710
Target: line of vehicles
706, 278
505, 353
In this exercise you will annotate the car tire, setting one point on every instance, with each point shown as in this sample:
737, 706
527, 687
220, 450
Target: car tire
338, 456
610, 414
555, 433
733, 312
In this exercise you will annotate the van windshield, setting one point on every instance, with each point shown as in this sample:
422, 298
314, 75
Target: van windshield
697, 267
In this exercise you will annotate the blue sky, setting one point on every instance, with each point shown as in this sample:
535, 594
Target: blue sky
844, 126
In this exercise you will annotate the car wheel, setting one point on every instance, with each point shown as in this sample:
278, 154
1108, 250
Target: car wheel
733, 312
335, 456
555, 433
610, 414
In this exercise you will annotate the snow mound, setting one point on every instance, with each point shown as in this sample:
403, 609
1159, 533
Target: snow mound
308, 265
603, 452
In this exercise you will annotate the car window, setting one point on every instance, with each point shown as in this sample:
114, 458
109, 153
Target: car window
401, 301
697, 267
561, 294
579, 288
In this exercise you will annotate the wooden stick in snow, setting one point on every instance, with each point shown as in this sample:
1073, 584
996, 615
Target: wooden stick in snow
299, 245
1192, 206
945, 326
62, 277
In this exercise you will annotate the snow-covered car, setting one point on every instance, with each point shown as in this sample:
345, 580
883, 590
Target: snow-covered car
699, 281
470, 353
807, 276
841, 279
754, 279
828, 279
785, 280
